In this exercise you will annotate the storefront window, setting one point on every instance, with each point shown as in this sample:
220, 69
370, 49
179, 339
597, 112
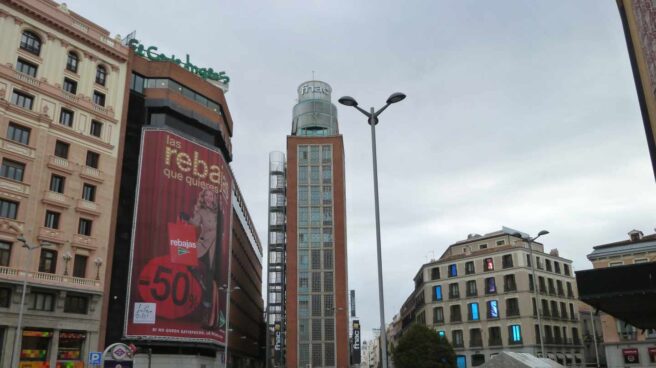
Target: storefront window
34, 348
70, 349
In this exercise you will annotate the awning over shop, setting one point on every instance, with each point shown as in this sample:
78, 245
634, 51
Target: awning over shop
625, 292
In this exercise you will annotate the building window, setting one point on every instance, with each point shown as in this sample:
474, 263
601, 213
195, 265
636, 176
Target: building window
482, 246
473, 311
495, 336
512, 307
8, 209
556, 267
435, 273
500, 242
5, 253
25, 67
509, 283
101, 75
99, 98
507, 261
548, 264
137, 83
70, 86
559, 288
92, 159
552, 288
23, 100
72, 61
615, 264
571, 311
61, 149
66, 117
12, 170
455, 313
545, 308
48, 261
488, 264
31, 43
469, 268
438, 315
89, 193
531, 285
57, 183
566, 269
471, 288
84, 227
563, 310
437, 293
457, 339
475, 338
18, 133
528, 260
96, 128
514, 334
490, 285
43, 301
570, 292
5, 297
453, 270
454, 291
80, 266
542, 284
492, 309
76, 304
52, 220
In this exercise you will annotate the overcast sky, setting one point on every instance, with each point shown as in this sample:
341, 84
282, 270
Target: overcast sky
519, 113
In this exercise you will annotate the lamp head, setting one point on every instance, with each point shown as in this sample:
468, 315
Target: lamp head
395, 97
543, 232
348, 101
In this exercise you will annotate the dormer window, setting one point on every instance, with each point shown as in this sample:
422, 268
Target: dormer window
635, 235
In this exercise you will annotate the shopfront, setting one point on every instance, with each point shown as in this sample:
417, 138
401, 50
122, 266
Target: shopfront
70, 351
35, 348
38, 347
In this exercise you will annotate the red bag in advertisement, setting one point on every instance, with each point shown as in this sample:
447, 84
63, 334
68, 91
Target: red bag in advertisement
182, 244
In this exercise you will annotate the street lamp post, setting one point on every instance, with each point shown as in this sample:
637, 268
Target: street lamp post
227, 289
15, 355
372, 117
530, 241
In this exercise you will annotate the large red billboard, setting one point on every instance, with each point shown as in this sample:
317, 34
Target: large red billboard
180, 240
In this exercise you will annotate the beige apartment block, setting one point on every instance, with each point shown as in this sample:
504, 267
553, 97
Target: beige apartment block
479, 295
62, 89
623, 342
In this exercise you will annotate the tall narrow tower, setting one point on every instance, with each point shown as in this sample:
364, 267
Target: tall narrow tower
316, 264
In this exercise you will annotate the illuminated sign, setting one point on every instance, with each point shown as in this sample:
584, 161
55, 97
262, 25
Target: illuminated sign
355, 348
149, 53
308, 88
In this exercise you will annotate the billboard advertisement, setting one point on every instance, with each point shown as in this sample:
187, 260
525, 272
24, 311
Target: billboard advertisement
180, 241
355, 339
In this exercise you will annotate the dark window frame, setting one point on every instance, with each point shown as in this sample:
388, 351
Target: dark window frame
62, 149
52, 219
12, 170
48, 261
85, 226
66, 117
72, 61
69, 85
31, 42
22, 99
26, 67
101, 75
95, 128
18, 133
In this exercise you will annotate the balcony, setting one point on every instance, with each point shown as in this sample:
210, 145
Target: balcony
70, 97
92, 174
15, 186
56, 199
27, 78
62, 164
84, 241
91, 208
49, 235
16, 148
54, 280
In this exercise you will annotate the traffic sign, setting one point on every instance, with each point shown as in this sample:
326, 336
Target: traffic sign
95, 358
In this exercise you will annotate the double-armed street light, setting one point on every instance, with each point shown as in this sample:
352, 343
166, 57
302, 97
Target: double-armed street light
530, 241
372, 119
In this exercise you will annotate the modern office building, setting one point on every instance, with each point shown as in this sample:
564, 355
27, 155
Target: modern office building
480, 295
185, 242
62, 97
316, 303
621, 283
640, 32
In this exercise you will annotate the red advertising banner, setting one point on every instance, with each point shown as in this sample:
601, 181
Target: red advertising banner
180, 241
631, 356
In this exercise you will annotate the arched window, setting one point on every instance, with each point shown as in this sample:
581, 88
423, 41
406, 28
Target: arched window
101, 75
31, 42
72, 61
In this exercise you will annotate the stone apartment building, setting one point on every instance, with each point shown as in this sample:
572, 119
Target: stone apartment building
62, 93
480, 295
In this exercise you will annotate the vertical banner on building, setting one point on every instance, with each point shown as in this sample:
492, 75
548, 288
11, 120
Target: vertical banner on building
353, 303
277, 342
355, 338
179, 255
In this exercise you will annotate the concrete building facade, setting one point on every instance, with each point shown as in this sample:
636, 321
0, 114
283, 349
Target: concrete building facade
624, 344
62, 96
479, 295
